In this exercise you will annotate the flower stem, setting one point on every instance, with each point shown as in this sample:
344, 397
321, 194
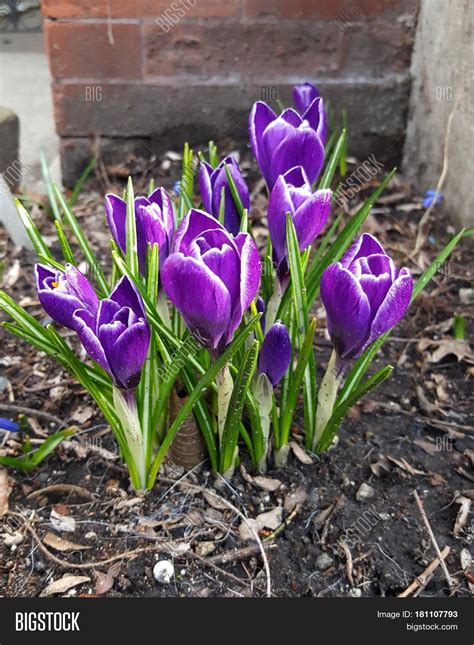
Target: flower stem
326, 397
263, 393
127, 411
162, 308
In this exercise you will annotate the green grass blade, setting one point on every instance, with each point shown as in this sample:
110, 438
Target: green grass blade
131, 254
49, 185
80, 182
35, 236
234, 415
326, 179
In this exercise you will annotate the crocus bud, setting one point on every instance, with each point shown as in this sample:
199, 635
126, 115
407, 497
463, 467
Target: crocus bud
275, 353
154, 223
262, 309
285, 141
211, 278
117, 336
211, 183
61, 293
310, 105
292, 194
364, 296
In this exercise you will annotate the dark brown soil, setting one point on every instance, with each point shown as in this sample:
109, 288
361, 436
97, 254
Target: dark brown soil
414, 433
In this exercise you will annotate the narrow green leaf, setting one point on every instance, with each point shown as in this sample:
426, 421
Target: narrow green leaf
49, 185
131, 254
35, 236
80, 182
234, 414
202, 385
340, 410
83, 243
68, 255
234, 192
326, 179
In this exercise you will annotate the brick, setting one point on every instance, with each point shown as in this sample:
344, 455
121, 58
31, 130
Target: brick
347, 10
379, 48
83, 50
223, 48
141, 8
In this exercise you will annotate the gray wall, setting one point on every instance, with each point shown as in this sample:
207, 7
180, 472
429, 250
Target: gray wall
443, 72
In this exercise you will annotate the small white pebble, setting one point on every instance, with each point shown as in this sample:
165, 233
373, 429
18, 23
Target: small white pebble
355, 592
163, 571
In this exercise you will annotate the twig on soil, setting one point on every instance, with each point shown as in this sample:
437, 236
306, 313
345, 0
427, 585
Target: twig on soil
164, 546
20, 409
419, 503
281, 527
63, 488
349, 565
239, 554
422, 580
202, 490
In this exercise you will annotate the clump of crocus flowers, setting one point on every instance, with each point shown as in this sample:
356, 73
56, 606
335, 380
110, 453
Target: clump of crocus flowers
194, 307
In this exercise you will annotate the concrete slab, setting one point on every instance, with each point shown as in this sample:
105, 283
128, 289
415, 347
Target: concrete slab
25, 87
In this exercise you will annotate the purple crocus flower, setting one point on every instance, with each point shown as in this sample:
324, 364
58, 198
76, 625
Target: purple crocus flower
117, 336
154, 223
364, 296
275, 353
211, 277
292, 193
280, 143
304, 96
61, 293
211, 183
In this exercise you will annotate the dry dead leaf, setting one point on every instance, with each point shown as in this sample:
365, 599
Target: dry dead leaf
447, 346
265, 483
214, 501
404, 465
427, 446
5, 490
294, 499
63, 584
59, 544
463, 514
103, 583
466, 565
83, 414
269, 520
300, 453
62, 522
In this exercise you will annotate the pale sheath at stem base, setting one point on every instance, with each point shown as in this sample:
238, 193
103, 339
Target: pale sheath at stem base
225, 385
326, 398
126, 409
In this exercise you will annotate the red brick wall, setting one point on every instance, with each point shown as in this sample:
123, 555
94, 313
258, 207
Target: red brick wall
137, 77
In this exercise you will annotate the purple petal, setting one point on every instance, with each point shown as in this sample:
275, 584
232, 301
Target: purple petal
394, 306
195, 223
275, 353
311, 217
250, 271
303, 95
302, 147
205, 188
279, 204
347, 310
292, 117
85, 325
128, 354
125, 294
150, 230
365, 245
80, 287
199, 295
317, 119
116, 212
260, 118
160, 197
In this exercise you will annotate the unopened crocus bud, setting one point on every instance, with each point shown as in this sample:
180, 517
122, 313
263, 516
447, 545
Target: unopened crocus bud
275, 353
310, 105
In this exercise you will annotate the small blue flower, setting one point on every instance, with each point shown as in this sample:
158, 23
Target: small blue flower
176, 188
432, 196
8, 426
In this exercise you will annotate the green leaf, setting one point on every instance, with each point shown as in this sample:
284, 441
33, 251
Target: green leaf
68, 255
83, 243
80, 182
202, 385
234, 414
287, 417
31, 460
213, 156
131, 254
342, 160
340, 410
343, 241
234, 192
326, 179
49, 185
35, 236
